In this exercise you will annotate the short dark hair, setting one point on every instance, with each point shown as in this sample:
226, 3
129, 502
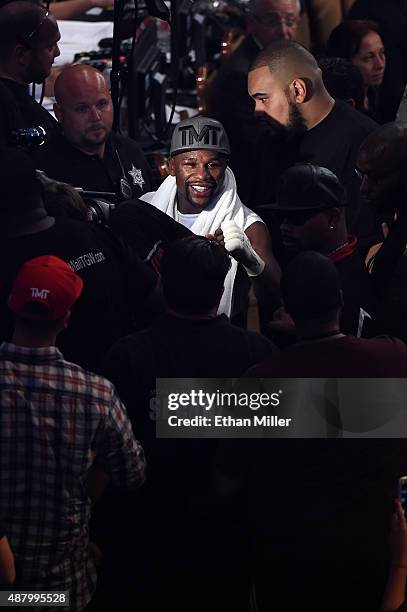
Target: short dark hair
311, 287
345, 40
343, 79
283, 52
62, 200
18, 19
193, 271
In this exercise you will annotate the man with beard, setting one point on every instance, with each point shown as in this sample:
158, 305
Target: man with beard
228, 99
88, 154
286, 83
201, 194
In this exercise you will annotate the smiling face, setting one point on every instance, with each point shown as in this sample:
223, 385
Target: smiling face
371, 59
199, 175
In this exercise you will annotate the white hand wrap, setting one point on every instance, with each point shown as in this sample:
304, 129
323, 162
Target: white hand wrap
238, 245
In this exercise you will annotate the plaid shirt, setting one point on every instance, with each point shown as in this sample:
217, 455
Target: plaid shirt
56, 420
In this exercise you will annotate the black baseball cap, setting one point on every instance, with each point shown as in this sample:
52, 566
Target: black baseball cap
307, 187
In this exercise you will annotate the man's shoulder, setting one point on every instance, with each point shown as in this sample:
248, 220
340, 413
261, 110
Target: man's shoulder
130, 352
125, 143
87, 382
394, 346
352, 120
258, 346
382, 356
71, 378
258, 341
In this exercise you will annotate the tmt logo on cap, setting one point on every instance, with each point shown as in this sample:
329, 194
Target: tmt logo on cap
199, 133
45, 289
209, 135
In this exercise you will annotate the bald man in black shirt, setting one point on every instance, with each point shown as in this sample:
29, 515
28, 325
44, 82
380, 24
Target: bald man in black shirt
87, 153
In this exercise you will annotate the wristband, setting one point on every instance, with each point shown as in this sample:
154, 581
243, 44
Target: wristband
239, 246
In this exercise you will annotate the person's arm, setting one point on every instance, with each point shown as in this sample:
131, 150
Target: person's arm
266, 284
96, 482
395, 591
252, 248
69, 9
121, 456
7, 567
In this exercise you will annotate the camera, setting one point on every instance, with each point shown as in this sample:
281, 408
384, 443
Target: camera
28, 138
99, 204
99, 210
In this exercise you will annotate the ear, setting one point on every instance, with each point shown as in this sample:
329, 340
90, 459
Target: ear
299, 91
351, 102
334, 216
57, 111
22, 54
66, 319
171, 166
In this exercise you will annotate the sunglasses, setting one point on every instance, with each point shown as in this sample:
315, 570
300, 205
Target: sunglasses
27, 40
295, 217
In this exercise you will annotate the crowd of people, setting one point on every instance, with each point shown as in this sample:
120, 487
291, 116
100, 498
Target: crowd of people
289, 190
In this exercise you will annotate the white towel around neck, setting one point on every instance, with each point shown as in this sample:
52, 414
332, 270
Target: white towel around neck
225, 207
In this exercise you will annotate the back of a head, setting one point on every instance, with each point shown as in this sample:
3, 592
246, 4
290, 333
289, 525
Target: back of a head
345, 40
310, 287
343, 80
193, 271
20, 189
17, 20
287, 57
44, 291
61, 199
387, 145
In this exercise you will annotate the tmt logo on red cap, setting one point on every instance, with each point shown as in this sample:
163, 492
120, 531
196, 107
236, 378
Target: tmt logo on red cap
42, 294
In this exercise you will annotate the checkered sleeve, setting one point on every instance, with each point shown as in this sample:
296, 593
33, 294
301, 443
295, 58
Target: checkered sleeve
122, 455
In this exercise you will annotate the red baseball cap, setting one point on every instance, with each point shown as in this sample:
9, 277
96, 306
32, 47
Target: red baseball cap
45, 289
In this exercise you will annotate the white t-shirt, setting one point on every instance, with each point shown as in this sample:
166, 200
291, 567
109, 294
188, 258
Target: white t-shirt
187, 220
